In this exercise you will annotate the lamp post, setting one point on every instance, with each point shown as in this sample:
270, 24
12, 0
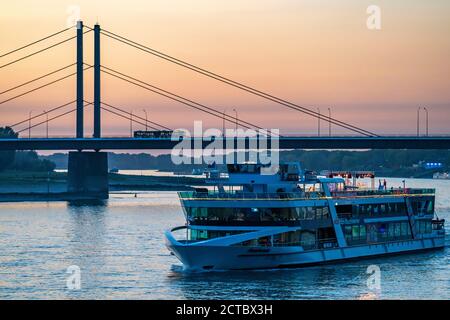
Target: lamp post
329, 122
131, 123
426, 117
318, 122
223, 122
29, 123
418, 118
145, 111
236, 113
46, 122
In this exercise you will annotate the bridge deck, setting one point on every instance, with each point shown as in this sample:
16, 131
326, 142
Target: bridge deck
392, 142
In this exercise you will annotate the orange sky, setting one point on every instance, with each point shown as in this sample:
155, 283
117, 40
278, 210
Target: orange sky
315, 53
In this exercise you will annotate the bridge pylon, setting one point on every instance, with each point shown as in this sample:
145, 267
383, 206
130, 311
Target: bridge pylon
80, 82
97, 109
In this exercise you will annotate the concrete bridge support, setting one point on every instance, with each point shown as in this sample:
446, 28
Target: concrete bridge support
88, 174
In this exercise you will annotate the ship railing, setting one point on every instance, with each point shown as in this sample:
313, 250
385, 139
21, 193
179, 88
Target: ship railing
250, 195
376, 192
307, 245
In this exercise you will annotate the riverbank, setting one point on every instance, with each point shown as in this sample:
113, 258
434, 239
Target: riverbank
43, 185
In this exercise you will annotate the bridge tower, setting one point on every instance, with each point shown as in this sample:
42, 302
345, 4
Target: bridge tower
97, 123
80, 83
88, 171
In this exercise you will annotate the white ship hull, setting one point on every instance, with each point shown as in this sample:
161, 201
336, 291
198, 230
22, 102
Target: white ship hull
201, 258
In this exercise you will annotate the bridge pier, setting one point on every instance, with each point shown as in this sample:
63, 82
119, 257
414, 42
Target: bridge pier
88, 174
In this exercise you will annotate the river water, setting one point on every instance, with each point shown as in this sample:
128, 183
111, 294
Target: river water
119, 248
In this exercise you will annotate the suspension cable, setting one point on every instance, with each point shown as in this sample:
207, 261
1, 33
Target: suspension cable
43, 113
175, 97
127, 118
38, 78
51, 119
34, 42
43, 86
42, 50
136, 116
234, 83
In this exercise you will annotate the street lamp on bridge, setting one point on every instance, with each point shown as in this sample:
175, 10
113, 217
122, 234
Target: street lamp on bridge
145, 111
223, 122
236, 113
318, 122
329, 122
418, 120
46, 122
131, 124
29, 123
426, 120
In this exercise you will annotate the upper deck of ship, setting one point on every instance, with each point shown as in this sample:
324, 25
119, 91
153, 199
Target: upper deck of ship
308, 195
290, 182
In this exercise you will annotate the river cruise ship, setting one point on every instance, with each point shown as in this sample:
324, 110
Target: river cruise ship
253, 219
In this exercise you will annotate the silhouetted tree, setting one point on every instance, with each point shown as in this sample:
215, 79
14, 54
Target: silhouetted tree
29, 161
7, 157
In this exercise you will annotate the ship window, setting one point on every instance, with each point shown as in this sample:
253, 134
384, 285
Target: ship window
264, 242
344, 209
321, 212
301, 211
310, 213
430, 207
376, 209
428, 228
199, 234
392, 208
391, 230
404, 229
383, 208
325, 213
348, 230
397, 232
362, 231
423, 227
355, 231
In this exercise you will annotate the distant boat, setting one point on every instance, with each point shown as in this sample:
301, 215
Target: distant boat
441, 175
114, 170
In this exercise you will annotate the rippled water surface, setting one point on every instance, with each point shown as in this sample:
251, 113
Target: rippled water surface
119, 248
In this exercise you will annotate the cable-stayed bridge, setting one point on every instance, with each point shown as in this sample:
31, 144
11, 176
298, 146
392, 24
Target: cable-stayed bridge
83, 164
360, 139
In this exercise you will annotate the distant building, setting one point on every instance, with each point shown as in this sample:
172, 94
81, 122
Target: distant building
432, 165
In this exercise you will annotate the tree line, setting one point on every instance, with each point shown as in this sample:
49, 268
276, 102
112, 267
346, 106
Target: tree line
21, 160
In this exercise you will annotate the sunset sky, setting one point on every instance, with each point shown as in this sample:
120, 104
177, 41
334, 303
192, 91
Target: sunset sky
316, 53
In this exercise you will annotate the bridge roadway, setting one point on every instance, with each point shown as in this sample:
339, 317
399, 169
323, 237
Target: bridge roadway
285, 142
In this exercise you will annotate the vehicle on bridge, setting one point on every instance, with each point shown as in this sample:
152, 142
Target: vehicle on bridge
153, 134
250, 220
